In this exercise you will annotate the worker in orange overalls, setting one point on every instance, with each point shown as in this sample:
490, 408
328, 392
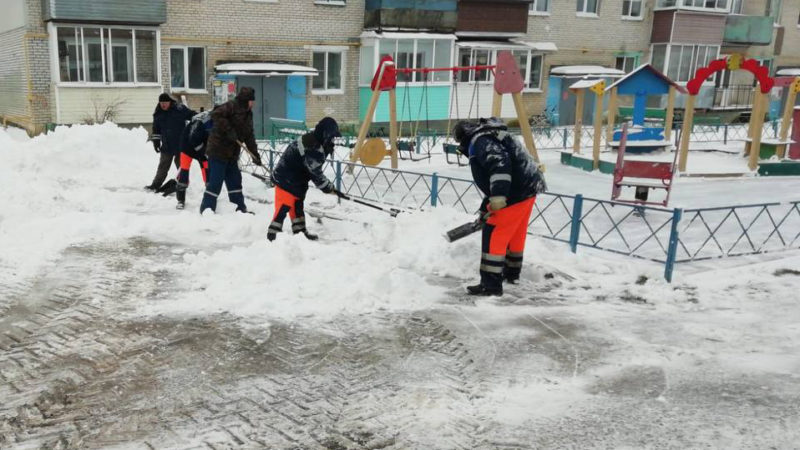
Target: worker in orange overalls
509, 177
301, 162
193, 147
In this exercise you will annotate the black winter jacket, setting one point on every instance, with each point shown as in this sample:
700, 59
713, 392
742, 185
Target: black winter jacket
233, 121
195, 135
500, 165
168, 126
300, 163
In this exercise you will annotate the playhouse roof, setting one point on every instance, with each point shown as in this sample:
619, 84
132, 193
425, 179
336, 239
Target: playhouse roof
585, 71
265, 69
790, 72
583, 84
652, 70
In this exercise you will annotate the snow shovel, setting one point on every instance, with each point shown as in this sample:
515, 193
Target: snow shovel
391, 211
464, 230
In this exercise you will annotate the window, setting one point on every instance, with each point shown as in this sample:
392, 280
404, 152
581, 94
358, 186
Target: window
412, 54
587, 6
721, 5
680, 62
627, 63
329, 66
540, 7
330, 2
187, 68
530, 64
737, 6
106, 54
774, 10
632, 8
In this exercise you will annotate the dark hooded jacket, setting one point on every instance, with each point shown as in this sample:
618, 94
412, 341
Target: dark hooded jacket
233, 121
168, 126
500, 165
195, 136
301, 162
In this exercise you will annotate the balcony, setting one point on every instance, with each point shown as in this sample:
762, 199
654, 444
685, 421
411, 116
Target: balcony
748, 30
733, 97
428, 15
139, 12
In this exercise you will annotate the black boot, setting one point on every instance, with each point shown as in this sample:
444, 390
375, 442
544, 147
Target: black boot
151, 188
484, 291
309, 236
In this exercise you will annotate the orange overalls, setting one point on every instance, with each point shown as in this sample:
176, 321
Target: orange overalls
286, 203
183, 174
503, 244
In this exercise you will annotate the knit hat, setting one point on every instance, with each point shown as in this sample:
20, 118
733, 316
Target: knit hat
246, 94
164, 97
326, 130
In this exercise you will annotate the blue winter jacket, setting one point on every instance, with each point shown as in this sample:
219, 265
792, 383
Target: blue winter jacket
195, 136
300, 163
168, 126
501, 167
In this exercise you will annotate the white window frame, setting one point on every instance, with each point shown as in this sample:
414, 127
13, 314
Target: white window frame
777, 17
584, 13
185, 89
631, 17
342, 51
625, 58
330, 2
740, 8
106, 56
533, 12
693, 64
453, 56
679, 4
526, 71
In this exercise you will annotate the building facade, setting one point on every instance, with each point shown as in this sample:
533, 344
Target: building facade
71, 61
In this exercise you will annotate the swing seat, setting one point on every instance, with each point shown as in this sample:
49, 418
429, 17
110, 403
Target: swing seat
410, 146
452, 149
641, 175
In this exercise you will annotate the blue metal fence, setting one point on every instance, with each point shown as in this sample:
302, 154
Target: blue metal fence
667, 236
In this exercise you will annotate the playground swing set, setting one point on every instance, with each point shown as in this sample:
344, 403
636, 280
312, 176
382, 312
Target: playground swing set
507, 80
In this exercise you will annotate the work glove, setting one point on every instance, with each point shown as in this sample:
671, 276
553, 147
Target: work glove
497, 203
157, 145
329, 189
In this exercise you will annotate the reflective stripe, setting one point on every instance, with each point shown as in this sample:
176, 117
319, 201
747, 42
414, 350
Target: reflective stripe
156, 136
199, 147
300, 147
212, 194
296, 228
513, 263
276, 226
299, 219
514, 255
491, 269
182, 184
490, 257
235, 191
500, 177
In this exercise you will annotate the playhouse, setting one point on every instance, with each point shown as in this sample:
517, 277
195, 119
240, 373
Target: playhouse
643, 136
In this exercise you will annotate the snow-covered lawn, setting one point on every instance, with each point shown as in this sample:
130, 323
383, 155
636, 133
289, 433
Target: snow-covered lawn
195, 330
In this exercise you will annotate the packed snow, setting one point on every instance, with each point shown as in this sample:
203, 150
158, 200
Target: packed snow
587, 343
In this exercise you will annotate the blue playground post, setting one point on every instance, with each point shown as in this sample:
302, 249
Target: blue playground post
575, 231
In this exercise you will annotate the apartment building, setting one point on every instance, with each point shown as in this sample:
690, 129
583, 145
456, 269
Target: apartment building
70, 61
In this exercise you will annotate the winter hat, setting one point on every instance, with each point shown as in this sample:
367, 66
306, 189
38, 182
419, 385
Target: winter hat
246, 94
326, 130
164, 97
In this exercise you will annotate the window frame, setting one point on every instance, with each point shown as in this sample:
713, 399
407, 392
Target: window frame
584, 13
636, 58
106, 45
680, 4
342, 59
376, 45
532, 11
693, 64
186, 89
629, 16
492, 59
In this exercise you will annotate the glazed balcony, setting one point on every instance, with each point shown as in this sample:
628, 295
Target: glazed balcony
748, 30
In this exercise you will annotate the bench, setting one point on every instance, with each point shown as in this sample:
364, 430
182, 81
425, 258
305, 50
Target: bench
641, 175
283, 128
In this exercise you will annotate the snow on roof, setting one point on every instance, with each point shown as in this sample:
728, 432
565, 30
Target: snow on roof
541, 46
583, 84
401, 35
265, 69
655, 71
499, 45
792, 72
587, 70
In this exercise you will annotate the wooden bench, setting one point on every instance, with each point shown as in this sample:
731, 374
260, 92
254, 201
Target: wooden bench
641, 175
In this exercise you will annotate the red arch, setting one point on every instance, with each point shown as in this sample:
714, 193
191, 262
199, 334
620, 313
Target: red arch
751, 65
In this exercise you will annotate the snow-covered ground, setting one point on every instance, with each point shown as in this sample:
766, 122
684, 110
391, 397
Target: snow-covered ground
128, 323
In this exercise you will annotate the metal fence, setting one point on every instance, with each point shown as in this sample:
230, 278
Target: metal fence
666, 236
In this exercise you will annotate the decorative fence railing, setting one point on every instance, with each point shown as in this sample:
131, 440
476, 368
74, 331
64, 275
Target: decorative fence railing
666, 236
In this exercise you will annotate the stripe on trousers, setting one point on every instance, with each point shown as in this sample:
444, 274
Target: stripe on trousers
235, 191
515, 264
491, 257
276, 227
491, 269
212, 194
